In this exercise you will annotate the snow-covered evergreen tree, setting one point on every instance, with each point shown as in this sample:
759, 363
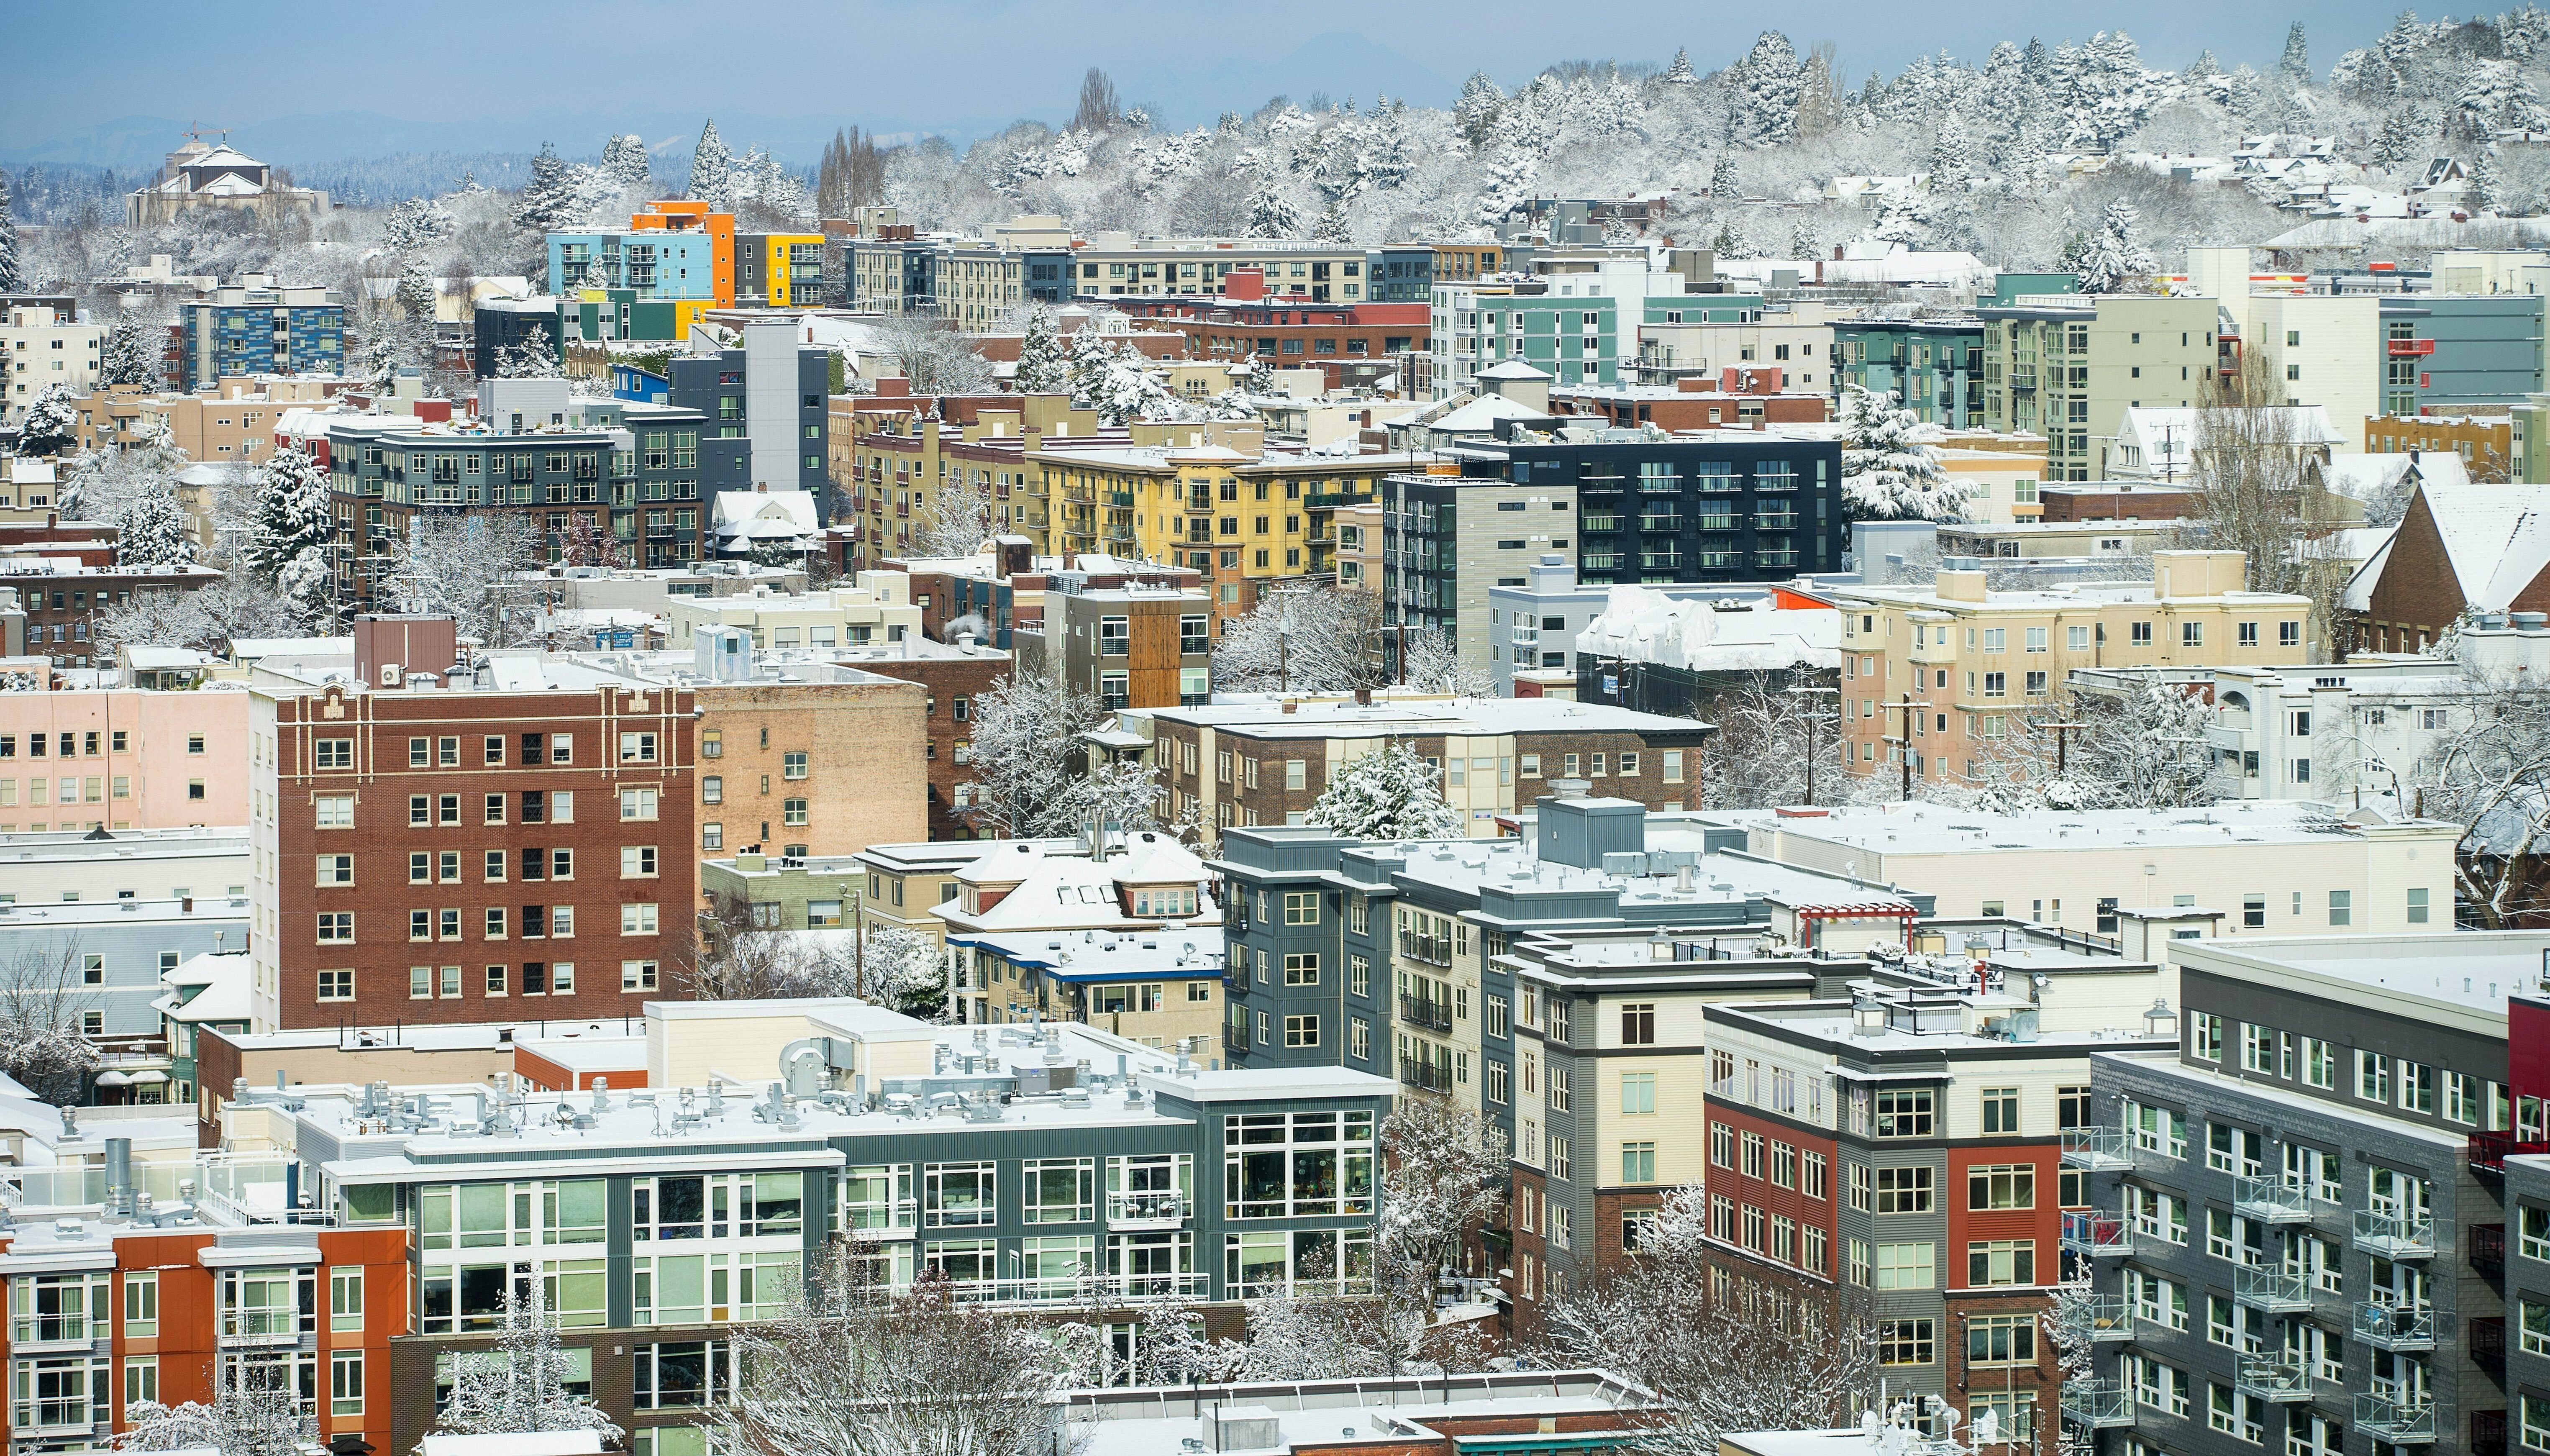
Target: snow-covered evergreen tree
291, 533
1044, 359
519, 1388
532, 358
1332, 226
1390, 793
1475, 114
417, 291
2113, 254
1271, 214
1950, 157
132, 353
1769, 81
1723, 180
415, 223
623, 158
2295, 67
1679, 73
50, 423
2401, 139
2486, 188
710, 165
1115, 379
1886, 473
152, 531
549, 200
13, 272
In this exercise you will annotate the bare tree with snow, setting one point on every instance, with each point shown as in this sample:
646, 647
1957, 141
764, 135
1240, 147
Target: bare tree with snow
44, 995
246, 1416
1301, 641
1024, 748
519, 1386
465, 566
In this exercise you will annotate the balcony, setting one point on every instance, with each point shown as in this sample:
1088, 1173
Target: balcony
2107, 1316
1234, 1039
1436, 949
2487, 1433
1138, 1210
1776, 519
2488, 1346
2394, 1235
2097, 1149
260, 1325
1084, 1289
65, 1417
2394, 1327
2272, 1288
2269, 1201
2490, 1150
1660, 523
1718, 522
2396, 1418
2487, 1251
1424, 1076
2411, 348
32, 1331
2097, 1234
1436, 1015
1775, 558
2096, 1403
2268, 1378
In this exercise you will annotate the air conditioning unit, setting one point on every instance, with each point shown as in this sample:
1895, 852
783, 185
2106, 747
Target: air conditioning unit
389, 674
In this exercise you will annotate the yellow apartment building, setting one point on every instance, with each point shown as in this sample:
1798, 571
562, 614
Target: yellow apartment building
1210, 496
1947, 673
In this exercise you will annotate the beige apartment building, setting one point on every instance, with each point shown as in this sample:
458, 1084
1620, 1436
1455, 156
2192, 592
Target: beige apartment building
40, 349
1947, 673
2256, 867
878, 609
2068, 366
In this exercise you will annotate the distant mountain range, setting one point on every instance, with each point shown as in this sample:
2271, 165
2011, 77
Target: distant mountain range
1338, 65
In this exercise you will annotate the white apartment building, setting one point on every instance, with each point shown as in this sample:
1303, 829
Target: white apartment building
2271, 868
2314, 349
70, 867
2347, 734
1795, 338
877, 610
38, 347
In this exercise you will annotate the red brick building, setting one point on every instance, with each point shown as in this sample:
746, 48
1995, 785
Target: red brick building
1288, 333
447, 842
2117, 500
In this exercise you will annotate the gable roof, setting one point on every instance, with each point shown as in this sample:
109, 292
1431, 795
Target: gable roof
2495, 537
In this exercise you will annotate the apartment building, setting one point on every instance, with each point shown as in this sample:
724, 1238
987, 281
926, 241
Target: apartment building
122, 759
1661, 651
62, 596
1736, 396
1127, 647
1705, 335
904, 881
630, 469
1715, 508
1160, 988
2484, 443
1267, 763
1935, 366
1574, 337
797, 754
1933, 676
236, 422
1350, 344
2443, 352
1069, 908
2282, 868
2334, 1119
951, 676
104, 955
2068, 365
488, 760
255, 328
1119, 264
1900, 1150
891, 453
1213, 497
40, 348
874, 610
2297, 348
763, 404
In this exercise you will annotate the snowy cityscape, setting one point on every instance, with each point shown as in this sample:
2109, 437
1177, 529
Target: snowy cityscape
1745, 720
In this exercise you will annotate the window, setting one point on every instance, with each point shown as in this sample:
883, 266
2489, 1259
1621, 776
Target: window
1906, 1342
1637, 1093
2418, 906
1907, 1265
634, 975
337, 927
335, 810
1637, 1162
2002, 1262
2373, 1075
346, 1298
1302, 908
1638, 1023
2001, 1111
1301, 1031
635, 804
2001, 1339
1905, 1112
142, 1304
336, 985
335, 753
2000, 1185
635, 919
1302, 968
1902, 1190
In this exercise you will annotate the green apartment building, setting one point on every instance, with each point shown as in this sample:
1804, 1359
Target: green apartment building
1936, 366
1574, 337
2068, 366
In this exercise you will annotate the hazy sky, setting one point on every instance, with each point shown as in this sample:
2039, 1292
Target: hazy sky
951, 64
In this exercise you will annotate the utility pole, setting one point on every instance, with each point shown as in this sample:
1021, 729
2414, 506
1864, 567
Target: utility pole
1815, 714
2062, 732
1904, 743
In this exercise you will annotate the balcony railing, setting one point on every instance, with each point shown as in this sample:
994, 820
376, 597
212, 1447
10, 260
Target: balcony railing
1235, 1039
2487, 1251
2395, 1418
2272, 1288
1436, 949
2490, 1150
1162, 1209
2488, 1346
2395, 1326
2096, 1403
2269, 1378
1066, 1289
1434, 1013
1776, 519
1424, 1076
2098, 1149
260, 1324
2107, 1316
2487, 1433
2406, 349
2097, 1234
2269, 1201
2395, 1236
50, 1330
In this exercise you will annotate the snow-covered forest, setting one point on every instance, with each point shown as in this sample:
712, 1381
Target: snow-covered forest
1740, 157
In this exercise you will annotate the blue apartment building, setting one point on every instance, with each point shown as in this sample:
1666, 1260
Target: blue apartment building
260, 330
2449, 351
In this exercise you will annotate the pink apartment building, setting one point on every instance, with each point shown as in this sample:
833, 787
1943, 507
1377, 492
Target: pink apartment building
123, 758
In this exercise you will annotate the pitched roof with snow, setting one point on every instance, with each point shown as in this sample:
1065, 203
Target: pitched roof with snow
2495, 537
1646, 626
756, 516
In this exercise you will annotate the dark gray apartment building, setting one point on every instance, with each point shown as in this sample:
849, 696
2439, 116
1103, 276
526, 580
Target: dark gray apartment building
2298, 1220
